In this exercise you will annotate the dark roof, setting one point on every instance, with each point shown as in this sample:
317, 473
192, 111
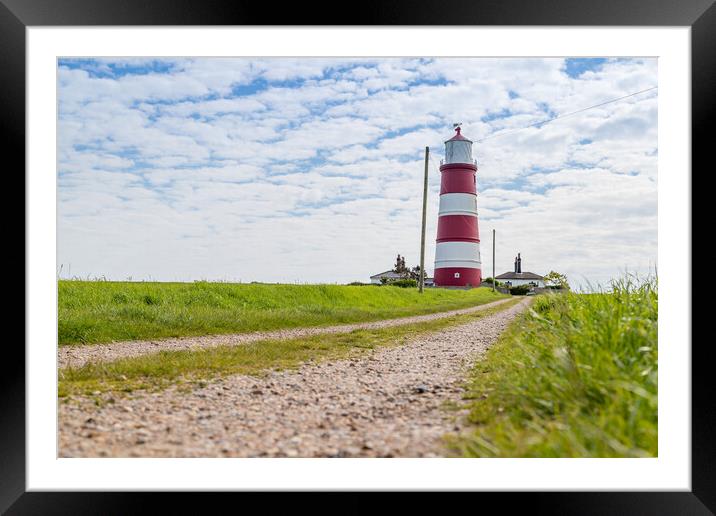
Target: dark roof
382, 273
395, 273
519, 275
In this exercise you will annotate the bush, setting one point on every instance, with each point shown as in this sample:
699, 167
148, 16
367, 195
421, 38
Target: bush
520, 290
404, 283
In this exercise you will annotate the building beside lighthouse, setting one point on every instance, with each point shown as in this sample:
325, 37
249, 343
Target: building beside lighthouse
457, 253
517, 277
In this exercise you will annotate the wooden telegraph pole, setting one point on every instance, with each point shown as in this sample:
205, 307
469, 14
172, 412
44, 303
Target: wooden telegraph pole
494, 280
422, 233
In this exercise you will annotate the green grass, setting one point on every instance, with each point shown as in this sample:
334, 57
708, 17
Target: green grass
102, 311
189, 367
576, 376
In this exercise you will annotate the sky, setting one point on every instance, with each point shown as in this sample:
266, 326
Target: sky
310, 170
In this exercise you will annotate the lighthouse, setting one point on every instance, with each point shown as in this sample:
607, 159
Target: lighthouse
457, 253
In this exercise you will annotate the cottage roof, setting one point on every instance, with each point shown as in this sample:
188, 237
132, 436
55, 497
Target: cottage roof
386, 273
520, 275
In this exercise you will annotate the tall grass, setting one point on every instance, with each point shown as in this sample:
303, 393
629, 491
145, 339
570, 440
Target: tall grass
103, 311
576, 376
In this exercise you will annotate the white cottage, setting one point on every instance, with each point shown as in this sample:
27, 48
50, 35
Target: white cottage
388, 275
517, 277
392, 276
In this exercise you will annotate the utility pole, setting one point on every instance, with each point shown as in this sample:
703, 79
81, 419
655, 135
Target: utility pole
422, 233
494, 280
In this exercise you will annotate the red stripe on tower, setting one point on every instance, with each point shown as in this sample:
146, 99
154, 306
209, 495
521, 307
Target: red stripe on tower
461, 179
457, 254
458, 228
457, 277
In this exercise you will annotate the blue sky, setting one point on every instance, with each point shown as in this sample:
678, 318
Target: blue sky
310, 169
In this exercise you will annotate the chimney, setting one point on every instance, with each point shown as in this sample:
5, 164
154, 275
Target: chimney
519, 263
515, 264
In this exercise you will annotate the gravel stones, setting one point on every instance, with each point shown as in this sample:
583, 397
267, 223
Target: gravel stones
386, 404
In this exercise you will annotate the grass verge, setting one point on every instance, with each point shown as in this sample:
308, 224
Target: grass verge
159, 370
102, 311
576, 376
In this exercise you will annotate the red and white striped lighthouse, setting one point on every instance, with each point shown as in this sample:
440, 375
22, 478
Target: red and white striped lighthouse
457, 254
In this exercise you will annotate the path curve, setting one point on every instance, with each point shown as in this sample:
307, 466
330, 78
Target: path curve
77, 356
387, 403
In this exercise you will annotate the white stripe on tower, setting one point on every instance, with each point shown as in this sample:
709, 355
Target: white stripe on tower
457, 254
458, 204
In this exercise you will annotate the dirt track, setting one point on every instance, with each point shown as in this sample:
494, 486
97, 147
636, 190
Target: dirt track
77, 356
386, 404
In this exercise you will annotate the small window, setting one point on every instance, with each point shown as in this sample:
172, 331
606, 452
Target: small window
457, 274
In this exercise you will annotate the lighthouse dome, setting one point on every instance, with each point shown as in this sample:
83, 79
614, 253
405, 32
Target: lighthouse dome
458, 149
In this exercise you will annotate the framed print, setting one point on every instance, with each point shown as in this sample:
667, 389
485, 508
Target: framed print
216, 195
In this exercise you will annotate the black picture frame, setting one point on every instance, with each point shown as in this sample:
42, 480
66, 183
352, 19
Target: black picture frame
17, 15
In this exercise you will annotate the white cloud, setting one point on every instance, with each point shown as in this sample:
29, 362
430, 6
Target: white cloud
311, 169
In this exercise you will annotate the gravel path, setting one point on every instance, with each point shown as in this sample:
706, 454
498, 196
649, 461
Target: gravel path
385, 404
77, 356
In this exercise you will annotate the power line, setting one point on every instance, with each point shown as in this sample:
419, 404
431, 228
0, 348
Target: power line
566, 114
